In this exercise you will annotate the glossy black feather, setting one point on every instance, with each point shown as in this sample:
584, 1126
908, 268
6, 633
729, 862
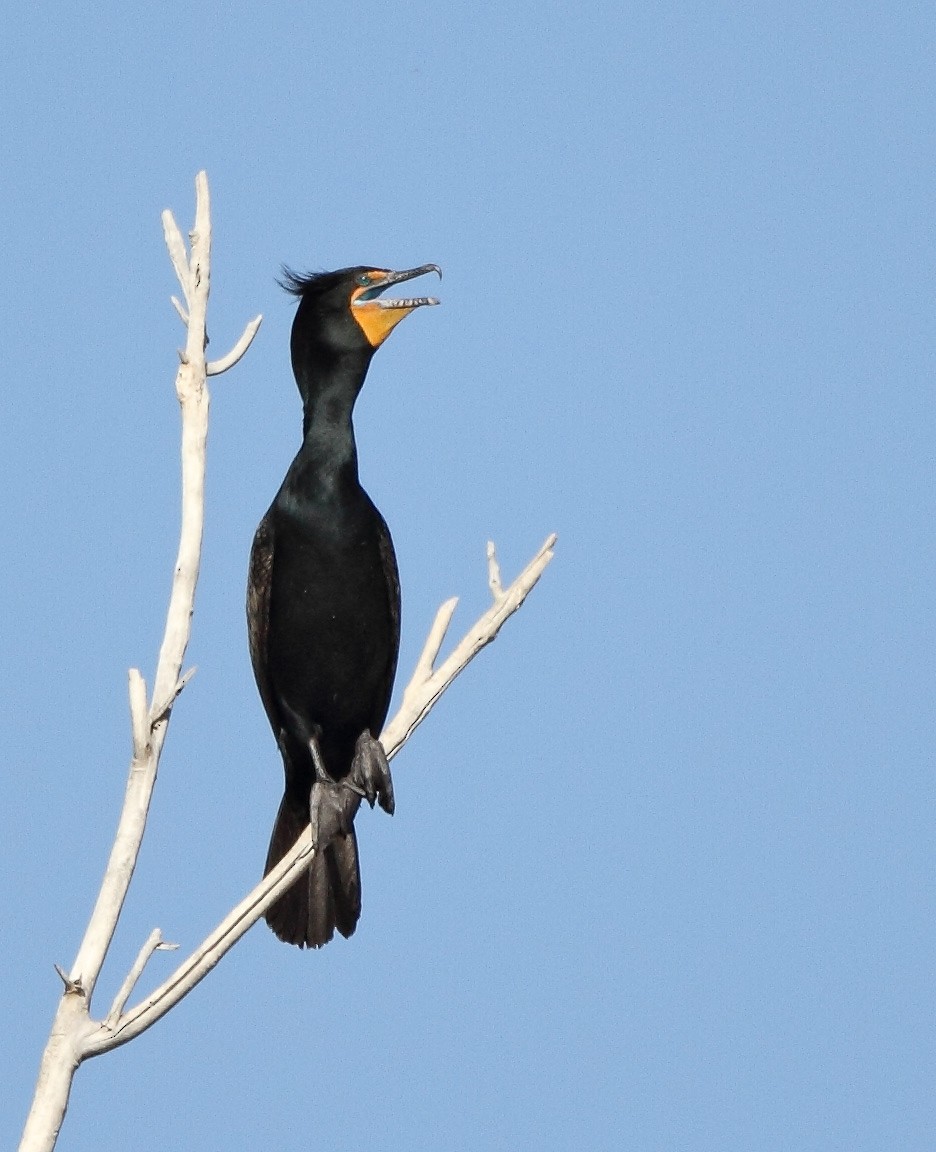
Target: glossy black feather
323, 608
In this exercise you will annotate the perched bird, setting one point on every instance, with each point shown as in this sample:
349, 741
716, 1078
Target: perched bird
323, 603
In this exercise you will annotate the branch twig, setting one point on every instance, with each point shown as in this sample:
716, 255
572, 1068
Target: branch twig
139, 721
177, 304
153, 941
427, 685
157, 713
216, 367
179, 256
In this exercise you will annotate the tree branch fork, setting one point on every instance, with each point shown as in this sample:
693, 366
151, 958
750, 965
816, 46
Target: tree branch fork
75, 1035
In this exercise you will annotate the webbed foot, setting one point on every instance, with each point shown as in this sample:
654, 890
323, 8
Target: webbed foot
370, 772
331, 811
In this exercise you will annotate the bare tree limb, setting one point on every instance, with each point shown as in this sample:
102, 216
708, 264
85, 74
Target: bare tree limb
494, 578
73, 1025
196, 967
179, 258
216, 367
430, 651
427, 685
424, 689
139, 721
153, 942
177, 304
157, 712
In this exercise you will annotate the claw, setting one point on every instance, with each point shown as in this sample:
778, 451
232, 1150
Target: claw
370, 772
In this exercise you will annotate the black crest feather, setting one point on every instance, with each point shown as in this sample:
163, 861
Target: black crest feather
299, 283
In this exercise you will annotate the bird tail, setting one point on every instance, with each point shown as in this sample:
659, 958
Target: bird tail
328, 896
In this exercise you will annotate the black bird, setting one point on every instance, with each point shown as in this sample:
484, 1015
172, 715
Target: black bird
323, 604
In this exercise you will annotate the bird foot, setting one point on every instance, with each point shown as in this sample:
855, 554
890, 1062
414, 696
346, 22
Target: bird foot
370, 773
331, 811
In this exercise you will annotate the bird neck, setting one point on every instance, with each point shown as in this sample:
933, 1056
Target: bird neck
328, 452
329, 389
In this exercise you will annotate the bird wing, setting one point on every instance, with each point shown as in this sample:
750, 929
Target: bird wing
392, 575
391, 572
259, 583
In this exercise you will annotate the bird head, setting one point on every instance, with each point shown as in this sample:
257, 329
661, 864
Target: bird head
347, 307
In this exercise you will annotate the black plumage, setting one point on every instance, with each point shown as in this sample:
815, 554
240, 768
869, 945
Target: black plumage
323, 604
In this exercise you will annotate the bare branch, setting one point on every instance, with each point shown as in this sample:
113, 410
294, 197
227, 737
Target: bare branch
427, 659
139, 721
494, 578
197, 966
160, 712
73, 1026
177, 304
179, 257
423, 691
70, 985
420, 695
193, 397
153, 941
216, 367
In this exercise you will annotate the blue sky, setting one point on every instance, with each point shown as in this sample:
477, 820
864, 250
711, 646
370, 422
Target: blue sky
661, 872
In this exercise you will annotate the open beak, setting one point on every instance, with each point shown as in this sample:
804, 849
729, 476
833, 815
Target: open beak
376, 316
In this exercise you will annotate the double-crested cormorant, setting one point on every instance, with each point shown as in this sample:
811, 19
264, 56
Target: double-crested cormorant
323, 604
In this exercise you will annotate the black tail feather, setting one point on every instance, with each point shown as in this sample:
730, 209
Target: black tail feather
327, 897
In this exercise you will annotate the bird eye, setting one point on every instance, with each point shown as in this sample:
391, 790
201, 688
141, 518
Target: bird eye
365, 280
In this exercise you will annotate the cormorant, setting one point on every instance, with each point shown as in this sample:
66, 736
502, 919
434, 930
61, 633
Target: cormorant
323, 604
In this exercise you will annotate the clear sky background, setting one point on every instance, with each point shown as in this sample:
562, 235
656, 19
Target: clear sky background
661, 871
